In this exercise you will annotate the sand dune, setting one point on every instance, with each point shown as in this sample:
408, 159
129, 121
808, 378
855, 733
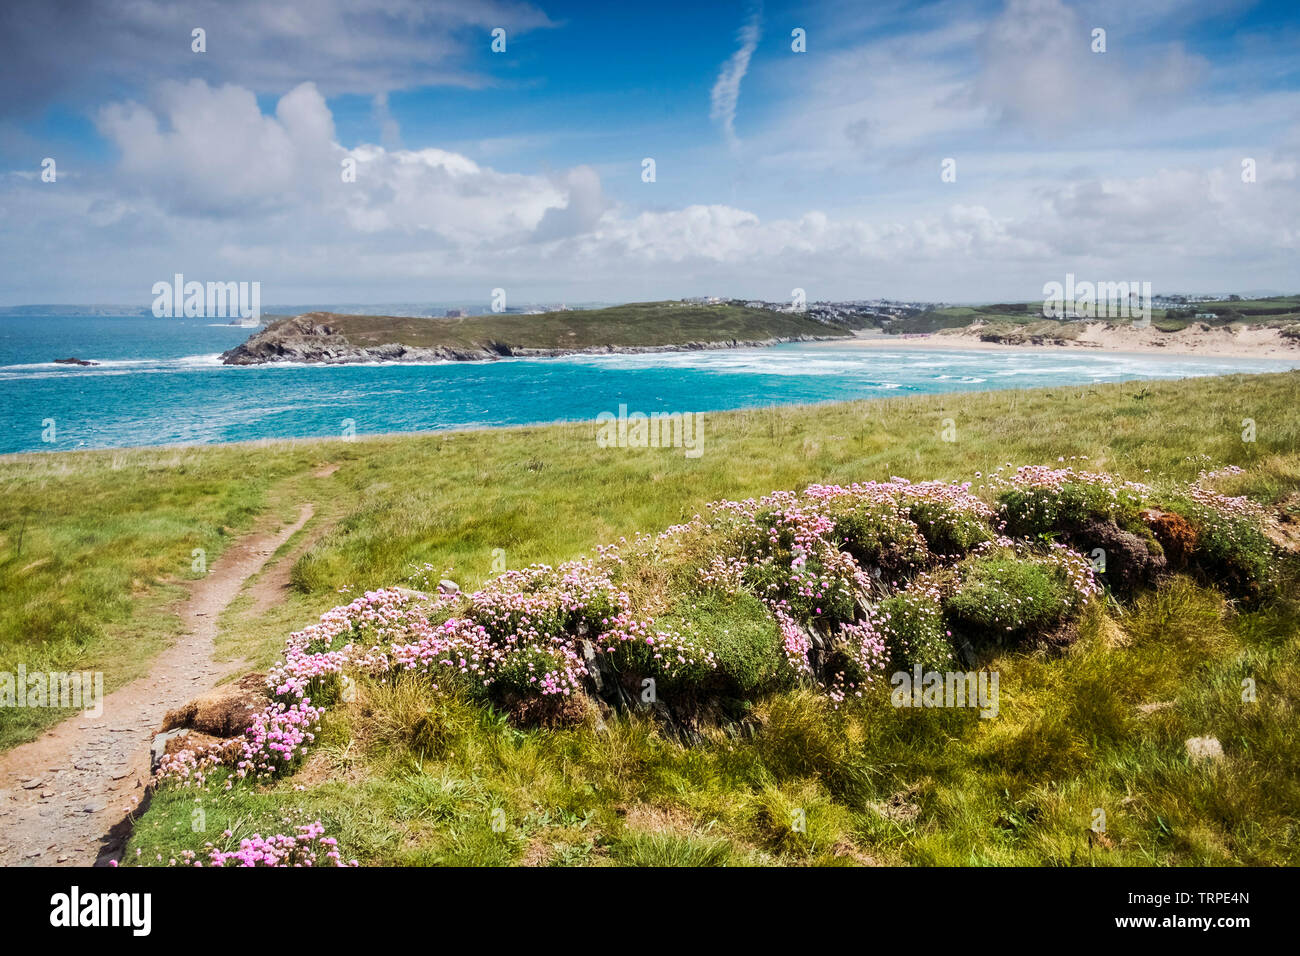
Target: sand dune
1246, 341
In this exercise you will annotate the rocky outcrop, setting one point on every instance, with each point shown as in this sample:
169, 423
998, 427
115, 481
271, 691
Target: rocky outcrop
310, 339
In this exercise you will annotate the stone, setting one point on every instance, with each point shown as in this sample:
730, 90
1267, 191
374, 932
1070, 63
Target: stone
592, 662
227, 749
446, 586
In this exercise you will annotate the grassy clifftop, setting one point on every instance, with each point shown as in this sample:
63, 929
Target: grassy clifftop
328, 337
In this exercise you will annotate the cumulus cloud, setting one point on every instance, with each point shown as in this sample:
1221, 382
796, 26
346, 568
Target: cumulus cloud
725, 95
204, 181
212, 151
583, 208
431, 224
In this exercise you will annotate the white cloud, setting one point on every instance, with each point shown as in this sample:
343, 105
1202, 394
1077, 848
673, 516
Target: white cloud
726, 89
206, 183
212, 151
1038, 71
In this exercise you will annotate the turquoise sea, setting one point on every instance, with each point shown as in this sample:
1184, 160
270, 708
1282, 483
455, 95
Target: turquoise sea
160, 381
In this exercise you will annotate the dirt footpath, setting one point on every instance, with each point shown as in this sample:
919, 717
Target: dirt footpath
64, 798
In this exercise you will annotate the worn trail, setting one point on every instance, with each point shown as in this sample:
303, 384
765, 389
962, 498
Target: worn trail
64, 798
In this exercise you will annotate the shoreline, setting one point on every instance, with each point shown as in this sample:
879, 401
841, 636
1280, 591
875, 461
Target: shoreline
50, 455
242, 356
1098, 337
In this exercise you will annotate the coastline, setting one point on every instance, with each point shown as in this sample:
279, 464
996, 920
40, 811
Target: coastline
396, 354
303, 341
321, 338
1248, 342
56, 458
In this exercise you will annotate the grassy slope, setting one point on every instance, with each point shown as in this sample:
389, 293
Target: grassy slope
95, 548
635, 324
1018, 789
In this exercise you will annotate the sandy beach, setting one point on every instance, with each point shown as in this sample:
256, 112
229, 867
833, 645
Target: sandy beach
1246, 342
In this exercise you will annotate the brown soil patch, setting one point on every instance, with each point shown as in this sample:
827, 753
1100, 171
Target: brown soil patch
1175, 534
272, 585
860, 857
1283, 528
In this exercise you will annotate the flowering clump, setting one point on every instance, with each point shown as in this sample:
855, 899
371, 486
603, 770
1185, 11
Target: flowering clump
1038, 500
829, 587
1004, 597
308, 847
913, 625
1230, 549
277, 738
857, 654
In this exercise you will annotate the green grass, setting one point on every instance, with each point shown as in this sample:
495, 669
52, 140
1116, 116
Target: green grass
635, 324
107, 536
400, 777
95, 548
1030, 333
818, 786
999, 592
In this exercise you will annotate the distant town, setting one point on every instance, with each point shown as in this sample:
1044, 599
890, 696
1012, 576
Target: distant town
890, 315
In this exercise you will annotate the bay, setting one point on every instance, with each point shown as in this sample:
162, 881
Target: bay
160, 381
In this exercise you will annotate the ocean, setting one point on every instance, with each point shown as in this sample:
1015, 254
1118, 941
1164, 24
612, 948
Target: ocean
160, 381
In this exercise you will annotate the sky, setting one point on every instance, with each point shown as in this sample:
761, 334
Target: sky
957, 151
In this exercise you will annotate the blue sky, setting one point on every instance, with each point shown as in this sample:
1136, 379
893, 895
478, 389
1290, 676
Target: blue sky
522, 169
